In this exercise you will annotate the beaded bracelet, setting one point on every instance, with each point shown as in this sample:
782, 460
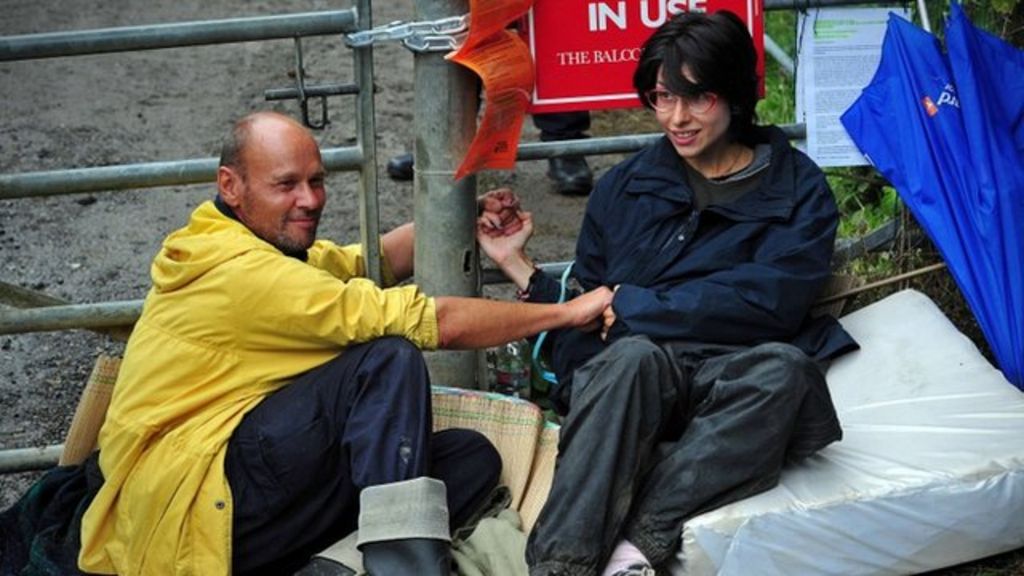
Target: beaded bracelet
524, 295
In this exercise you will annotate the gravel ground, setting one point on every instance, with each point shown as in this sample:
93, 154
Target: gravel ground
166, 105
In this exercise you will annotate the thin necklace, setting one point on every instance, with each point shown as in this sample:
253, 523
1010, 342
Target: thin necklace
736, 161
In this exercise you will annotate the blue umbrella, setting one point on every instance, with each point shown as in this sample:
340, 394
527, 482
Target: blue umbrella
947, 130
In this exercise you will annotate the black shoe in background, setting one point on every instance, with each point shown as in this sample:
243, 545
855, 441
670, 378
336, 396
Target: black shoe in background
571, 175
400, 167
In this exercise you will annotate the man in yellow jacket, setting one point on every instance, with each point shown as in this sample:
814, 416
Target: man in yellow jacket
267, 383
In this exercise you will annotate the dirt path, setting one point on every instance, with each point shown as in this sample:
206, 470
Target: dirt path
159, 106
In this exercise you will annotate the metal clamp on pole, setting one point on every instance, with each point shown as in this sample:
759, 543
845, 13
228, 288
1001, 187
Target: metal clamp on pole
303, 92
300, 87
440, 35
314, 91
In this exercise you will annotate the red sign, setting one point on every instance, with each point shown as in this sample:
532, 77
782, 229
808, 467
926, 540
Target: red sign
585, 51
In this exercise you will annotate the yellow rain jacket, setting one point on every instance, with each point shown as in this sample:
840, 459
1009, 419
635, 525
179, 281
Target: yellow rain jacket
229, 320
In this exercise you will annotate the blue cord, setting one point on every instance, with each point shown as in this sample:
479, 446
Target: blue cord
547, 375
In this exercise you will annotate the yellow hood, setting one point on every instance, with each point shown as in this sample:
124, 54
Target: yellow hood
209, 240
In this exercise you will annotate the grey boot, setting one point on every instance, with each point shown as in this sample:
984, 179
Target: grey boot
403, 529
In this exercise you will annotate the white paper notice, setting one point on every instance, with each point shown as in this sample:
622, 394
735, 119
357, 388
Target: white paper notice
838, 52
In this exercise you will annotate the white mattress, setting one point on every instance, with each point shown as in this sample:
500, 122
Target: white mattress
930, 471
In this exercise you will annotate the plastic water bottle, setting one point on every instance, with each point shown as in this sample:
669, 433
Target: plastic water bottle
512, 369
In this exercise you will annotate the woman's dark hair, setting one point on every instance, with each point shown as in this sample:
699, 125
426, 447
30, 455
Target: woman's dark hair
719, 54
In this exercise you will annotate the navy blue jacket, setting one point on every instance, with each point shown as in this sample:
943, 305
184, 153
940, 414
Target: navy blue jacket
741, 273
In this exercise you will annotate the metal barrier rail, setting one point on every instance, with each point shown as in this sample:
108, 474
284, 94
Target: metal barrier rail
200, 170
70, 316
152, 37
29, 459
611, 144
145, 175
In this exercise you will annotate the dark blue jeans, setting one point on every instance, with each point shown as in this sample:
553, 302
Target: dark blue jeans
658, 433
297, 462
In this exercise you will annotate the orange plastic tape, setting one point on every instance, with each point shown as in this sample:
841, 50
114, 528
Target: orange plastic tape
503, 62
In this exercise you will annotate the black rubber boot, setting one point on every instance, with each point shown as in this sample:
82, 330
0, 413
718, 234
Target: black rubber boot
339, 559
571, 175
403, 529
412, 557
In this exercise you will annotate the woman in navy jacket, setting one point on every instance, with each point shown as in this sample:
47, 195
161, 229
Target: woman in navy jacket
708, 372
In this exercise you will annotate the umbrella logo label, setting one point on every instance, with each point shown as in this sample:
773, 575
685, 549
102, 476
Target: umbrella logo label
947, 97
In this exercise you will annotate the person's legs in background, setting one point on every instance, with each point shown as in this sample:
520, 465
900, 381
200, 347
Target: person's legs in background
571, 174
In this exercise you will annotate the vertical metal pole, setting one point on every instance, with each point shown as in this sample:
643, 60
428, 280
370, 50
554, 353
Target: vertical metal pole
369, 211
922, 9
445, 212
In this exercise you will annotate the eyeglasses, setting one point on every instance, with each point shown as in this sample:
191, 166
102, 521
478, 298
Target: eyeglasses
664, 101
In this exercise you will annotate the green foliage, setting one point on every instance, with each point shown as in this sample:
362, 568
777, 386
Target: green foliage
874, 266
1004, 18
778, 105
864, 205
1004, 7
864, 202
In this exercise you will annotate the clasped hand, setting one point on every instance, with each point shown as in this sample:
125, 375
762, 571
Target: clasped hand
503, 229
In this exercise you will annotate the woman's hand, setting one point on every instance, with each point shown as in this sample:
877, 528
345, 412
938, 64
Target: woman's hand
505, 248
497, 212
608, 317
503, 230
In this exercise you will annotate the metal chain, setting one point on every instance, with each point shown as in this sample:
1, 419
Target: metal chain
432, 36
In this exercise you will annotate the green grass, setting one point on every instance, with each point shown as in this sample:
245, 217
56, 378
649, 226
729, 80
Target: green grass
865, 200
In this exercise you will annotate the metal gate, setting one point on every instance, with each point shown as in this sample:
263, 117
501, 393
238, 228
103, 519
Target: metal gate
443, 206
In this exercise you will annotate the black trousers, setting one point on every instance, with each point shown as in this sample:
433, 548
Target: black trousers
297, 462
657, 433
562, 125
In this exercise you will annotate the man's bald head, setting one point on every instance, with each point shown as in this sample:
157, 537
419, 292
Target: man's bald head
232, 151
272, 177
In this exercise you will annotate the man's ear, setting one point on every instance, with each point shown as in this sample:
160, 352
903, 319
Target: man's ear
229, 185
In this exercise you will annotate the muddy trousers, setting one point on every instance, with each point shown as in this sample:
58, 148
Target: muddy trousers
298, 461
656, 435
